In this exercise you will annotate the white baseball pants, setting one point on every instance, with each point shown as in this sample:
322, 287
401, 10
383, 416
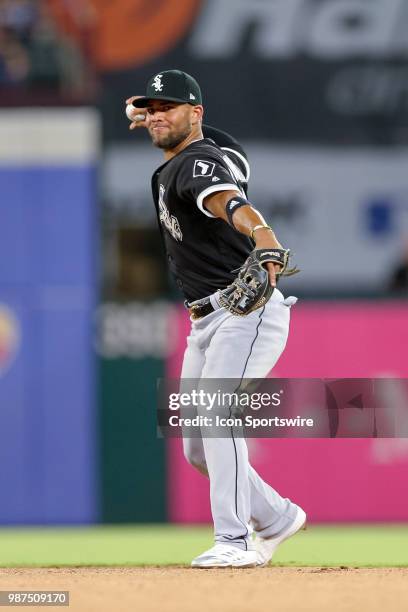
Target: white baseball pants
225, 346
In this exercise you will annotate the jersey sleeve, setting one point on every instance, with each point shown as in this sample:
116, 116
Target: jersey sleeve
201, 175
232, 148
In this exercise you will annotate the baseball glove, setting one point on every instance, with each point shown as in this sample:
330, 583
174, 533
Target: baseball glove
251, 289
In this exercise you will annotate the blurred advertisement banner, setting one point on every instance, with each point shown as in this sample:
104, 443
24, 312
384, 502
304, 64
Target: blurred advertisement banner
135, 330
132, 32
133, 340
285, 28
343, 213
10, 332
48, 230
334, 480
293, 70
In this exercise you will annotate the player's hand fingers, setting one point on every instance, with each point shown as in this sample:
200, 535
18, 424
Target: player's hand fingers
272, 275
273, 270
141, 120
136, 124
137, 116
132, 99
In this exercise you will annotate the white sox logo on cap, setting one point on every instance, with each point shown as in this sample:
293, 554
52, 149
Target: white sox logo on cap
157, 84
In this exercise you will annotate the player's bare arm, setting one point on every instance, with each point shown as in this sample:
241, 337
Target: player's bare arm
246, 218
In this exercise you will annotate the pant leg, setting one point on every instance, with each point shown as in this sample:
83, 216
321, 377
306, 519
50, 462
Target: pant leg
270, 513
244, 347
193, 362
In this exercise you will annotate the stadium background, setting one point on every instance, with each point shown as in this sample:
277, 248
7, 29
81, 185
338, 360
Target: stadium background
316, 91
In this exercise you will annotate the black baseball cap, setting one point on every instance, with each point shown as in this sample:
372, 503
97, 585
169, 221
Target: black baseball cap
173, 85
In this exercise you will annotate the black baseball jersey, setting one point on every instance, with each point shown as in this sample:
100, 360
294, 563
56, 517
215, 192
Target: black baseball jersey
201, 250
232, 149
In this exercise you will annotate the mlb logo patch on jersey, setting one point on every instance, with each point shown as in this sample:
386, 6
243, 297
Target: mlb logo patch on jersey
203, 168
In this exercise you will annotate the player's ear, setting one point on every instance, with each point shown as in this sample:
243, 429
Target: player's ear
197, 113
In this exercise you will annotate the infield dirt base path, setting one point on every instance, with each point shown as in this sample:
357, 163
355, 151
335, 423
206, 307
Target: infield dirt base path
173, 589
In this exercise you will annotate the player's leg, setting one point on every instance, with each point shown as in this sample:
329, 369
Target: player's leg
271, 514
245, 347
221, 555
267, 506
193, 362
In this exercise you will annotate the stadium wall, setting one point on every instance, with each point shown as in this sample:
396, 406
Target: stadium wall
333, 479
49, 225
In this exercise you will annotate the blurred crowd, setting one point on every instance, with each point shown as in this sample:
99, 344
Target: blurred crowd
38, 49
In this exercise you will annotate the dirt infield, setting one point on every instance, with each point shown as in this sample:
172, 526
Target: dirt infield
185, 590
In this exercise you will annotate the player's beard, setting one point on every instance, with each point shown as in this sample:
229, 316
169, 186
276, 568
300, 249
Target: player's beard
172, 140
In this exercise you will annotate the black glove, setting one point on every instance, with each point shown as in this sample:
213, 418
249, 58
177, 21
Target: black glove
251, 289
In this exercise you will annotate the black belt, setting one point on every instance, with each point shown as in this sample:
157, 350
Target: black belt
200, 308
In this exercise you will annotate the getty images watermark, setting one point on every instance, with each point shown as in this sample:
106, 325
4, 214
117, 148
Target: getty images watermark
283, 408
236, 404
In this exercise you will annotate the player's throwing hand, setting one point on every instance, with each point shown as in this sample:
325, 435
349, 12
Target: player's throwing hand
137, 116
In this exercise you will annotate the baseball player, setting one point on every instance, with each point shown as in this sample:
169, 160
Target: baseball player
239, 320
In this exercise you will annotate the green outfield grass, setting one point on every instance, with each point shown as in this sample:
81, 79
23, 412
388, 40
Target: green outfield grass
354, 546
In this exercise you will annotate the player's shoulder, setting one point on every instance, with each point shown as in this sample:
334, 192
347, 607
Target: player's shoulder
204, 156
204, 151
239, 159
231, 156
203, 147
231, 148
211, 151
